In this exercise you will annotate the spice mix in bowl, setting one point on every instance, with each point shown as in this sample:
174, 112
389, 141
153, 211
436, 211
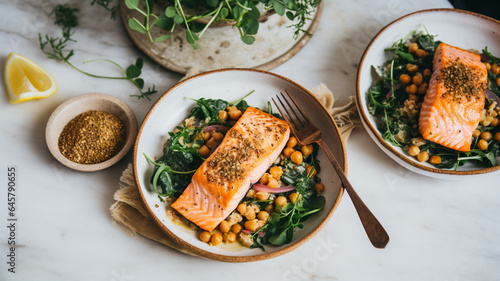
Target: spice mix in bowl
91, 132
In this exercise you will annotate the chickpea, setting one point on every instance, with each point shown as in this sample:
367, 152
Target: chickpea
488, 65
217, 136
498, 81
423, 156
251, 193
435, 159
242, 208
269, 208
216, 239
206, 135
414, 150
229, 237
422, 89
421, 53
235, 114
417, 79
265, 178
482, 144
276, 172
411, 67
280, 201
476, 133
252, 225
306, 150
273, 183
236, 228
263, 215
250, 214
427, 72
495, 68
405, 78
205, 236
310, 168
288, 151
261, 195
319, 187
204, 151
413, 48
412, 89
294, 197
223, 115
224, 226
211, 142
413, 97
487, 136
495, 122
292, 142
296, 157
497, 137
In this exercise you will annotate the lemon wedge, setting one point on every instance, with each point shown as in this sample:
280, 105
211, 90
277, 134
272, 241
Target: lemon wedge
25, 80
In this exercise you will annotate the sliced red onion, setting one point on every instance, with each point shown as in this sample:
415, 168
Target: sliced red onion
492, 96
485, 58
264, 188
215, 128
214, 147
396, 87
261, 233
246, 231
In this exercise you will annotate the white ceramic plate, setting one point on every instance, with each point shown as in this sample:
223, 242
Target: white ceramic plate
231, 84
455, 27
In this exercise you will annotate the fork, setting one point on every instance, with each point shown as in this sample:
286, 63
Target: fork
306, 133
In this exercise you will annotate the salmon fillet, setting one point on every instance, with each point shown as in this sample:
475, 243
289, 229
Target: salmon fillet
454, 100
243, 156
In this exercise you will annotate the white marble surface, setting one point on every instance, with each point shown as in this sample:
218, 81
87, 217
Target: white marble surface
440, 230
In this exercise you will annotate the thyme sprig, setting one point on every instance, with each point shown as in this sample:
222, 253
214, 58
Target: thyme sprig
56, 48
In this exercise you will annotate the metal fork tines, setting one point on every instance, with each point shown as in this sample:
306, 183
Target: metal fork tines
306, 133
301, 125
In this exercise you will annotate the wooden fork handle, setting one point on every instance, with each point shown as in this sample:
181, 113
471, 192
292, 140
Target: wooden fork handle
375, 231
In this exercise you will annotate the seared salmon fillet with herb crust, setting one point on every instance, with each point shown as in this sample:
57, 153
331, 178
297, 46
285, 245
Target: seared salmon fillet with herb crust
454, 101
244, 155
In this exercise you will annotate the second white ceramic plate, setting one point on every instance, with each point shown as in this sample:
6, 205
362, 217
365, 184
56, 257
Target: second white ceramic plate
455, 27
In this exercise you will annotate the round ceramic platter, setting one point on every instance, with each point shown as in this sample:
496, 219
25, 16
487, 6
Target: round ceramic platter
459, 28
221, 47
230, 84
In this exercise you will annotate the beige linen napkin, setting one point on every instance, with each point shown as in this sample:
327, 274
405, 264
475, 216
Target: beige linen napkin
130, 211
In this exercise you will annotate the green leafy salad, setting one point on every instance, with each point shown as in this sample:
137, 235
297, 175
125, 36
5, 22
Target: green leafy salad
396, 98
285, 196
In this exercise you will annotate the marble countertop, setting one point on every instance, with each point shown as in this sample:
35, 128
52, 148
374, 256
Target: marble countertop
440, 230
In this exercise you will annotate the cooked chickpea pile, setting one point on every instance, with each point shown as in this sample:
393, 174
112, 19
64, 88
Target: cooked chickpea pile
495, 68
416, 82
248, 217
213, 137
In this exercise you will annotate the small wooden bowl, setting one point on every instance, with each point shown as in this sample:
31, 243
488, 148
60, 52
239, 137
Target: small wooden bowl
83, 103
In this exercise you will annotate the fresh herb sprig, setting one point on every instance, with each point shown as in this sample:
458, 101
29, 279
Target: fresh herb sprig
108, 6
56, 48
244, 14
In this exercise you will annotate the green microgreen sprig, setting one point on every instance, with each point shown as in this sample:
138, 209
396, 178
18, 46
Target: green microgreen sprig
245, 15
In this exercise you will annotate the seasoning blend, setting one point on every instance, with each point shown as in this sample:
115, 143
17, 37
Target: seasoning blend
92, 137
